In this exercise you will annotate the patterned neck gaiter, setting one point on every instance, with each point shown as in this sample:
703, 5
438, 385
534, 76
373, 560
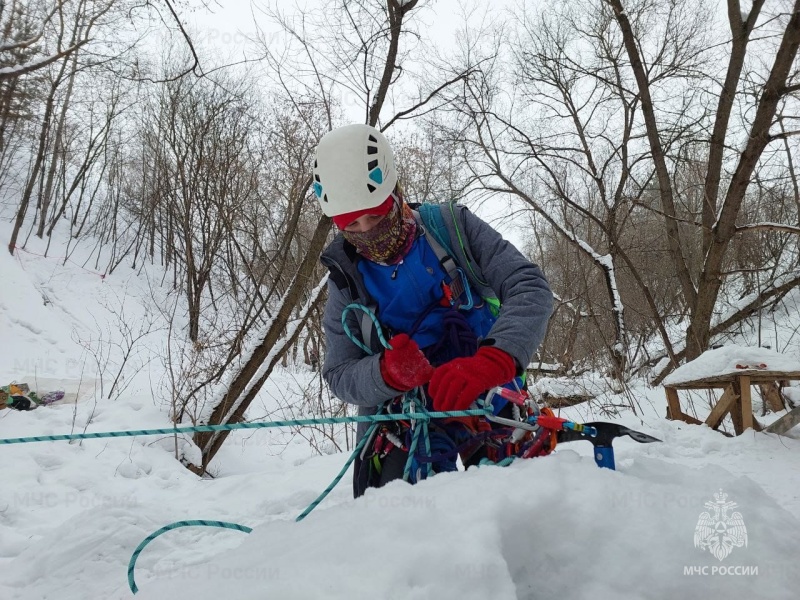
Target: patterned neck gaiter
390, 240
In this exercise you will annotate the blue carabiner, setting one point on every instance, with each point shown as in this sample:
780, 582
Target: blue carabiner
467, 291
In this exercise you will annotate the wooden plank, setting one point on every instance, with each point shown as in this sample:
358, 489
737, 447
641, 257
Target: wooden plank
694, 385
745, 402
673, 404
785, 423
736, 411
722, 407
761, 378
736, 417
690, 420
772, 395
755, 374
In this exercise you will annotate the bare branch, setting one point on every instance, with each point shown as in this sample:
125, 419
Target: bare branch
768, 227
17, 70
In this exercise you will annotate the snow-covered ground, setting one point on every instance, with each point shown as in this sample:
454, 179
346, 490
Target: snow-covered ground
558, 527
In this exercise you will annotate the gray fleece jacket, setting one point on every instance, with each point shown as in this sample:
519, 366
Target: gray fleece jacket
527, 304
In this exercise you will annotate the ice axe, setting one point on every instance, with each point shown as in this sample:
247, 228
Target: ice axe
602, 442
600, 433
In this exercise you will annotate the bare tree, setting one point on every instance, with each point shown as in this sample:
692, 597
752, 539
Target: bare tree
25, 27
608, 125
358, 49
719, 218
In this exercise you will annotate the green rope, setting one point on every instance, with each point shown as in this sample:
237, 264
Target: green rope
423, 417
407, 401
412, 451
338, 478
420, 431
501, 463
170, 527
420, 416
375, 322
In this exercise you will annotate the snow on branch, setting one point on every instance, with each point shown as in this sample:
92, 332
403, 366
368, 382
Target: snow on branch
35, 65
36, 36
768, 227
570, 305
607, 264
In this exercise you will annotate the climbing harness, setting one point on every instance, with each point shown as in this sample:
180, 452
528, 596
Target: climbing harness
435, 447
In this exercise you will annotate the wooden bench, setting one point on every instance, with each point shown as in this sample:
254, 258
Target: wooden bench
735, 400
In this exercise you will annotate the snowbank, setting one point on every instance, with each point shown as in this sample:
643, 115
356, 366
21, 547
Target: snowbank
550, 528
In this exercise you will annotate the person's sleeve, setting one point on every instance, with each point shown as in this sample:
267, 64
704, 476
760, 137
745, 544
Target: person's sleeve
353, 376
527, 301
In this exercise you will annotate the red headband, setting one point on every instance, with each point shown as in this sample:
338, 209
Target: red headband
344, 220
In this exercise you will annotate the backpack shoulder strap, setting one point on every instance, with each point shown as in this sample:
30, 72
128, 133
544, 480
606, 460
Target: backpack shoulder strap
430, 218
434, 223
438, 239
342, 262
450, 215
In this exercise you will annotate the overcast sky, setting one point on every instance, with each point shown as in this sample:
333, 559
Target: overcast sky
225, 29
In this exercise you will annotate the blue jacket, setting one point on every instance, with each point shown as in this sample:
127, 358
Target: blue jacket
496, 268
404, 292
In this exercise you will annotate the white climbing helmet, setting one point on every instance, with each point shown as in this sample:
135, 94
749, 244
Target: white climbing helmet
353, 170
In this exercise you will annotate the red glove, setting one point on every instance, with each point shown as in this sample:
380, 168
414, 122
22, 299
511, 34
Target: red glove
457, 384
405, 367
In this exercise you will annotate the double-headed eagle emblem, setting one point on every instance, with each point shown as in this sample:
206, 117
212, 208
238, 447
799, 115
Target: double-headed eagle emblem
717, 531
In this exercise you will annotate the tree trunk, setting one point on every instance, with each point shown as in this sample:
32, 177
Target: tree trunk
210, 443
47, 194
37, 165
698, 334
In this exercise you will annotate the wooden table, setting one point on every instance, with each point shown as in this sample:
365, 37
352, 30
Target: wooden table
735, 399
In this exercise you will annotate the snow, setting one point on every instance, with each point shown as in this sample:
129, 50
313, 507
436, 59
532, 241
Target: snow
723, 361
551, 528
33, 65
543, 367
585, 386
71, 515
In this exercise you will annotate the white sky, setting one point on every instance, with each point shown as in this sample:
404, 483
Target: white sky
227, 24
230, 20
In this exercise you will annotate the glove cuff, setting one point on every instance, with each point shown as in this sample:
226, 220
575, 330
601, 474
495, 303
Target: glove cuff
503, 361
